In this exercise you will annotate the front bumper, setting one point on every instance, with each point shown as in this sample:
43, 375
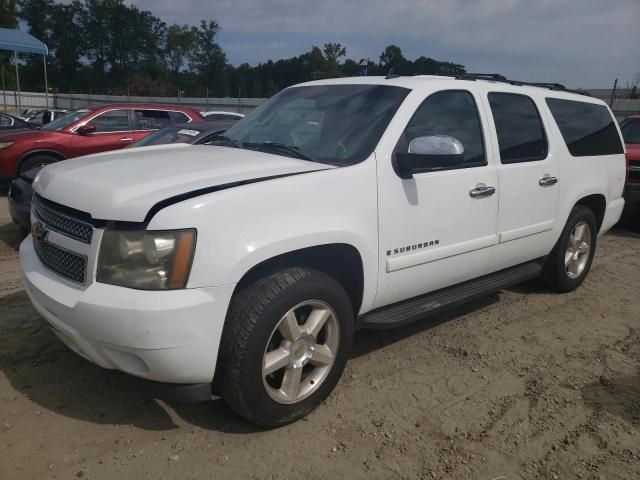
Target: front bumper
165, 336
632, 196
19, 200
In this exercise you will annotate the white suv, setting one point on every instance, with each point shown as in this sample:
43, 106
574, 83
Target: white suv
248, 263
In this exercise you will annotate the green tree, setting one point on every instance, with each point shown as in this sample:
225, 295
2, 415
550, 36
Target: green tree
332, 53
208, 60
8, 14
37, 16
178, 47
391, 57
64, 46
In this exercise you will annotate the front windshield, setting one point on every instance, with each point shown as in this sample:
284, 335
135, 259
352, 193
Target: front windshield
631, 131
335, 124
168, 135
65, 120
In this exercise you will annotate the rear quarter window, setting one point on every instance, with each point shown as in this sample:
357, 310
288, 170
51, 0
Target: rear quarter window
588, 129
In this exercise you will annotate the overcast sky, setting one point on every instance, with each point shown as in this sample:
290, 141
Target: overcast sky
583, 43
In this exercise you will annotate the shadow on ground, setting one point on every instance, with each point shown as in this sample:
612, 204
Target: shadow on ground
40, 367
618, 396
10, 236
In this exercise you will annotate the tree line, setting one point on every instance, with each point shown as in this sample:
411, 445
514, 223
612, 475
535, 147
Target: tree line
106, 46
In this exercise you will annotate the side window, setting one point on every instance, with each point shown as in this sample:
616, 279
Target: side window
587, 128
112, 121
6, 121
631, 130
453, 113
151, 119
521, 135
179, 117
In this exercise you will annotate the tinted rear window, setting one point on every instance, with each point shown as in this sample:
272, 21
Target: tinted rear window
520, 132
631, 130
588, 129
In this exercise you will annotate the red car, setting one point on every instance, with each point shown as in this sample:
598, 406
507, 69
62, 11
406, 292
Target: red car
631, 132
88, 130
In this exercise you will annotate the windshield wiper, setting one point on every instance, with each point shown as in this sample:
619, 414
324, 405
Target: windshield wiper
279, 147
227, 140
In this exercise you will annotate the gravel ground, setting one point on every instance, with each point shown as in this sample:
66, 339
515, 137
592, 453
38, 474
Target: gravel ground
522, 384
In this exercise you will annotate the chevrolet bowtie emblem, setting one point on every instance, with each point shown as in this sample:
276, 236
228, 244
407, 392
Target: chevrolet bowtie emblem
39, 232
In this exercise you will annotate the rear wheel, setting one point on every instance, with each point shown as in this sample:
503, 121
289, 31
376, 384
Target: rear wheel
286, 342
570, 260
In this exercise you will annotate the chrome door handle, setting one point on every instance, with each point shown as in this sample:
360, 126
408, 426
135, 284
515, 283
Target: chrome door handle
482, 191
547, 180
126, 139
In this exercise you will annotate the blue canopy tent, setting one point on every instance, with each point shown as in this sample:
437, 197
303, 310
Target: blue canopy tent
22, 42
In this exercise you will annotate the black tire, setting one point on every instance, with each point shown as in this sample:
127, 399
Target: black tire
36, 161
554, 273
253, 315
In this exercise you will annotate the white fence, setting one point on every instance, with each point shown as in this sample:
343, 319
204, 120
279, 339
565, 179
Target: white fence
11, 102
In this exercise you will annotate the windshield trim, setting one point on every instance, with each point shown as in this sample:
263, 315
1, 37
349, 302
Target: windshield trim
376, 102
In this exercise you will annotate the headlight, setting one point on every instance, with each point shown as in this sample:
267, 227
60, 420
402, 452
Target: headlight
5, 144
146, 260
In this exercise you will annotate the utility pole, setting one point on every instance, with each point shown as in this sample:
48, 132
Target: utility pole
613, 93
4, 89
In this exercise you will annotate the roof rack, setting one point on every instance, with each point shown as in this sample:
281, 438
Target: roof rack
496, 77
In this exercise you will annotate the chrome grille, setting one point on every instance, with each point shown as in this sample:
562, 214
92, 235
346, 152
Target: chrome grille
60, 222
66, 264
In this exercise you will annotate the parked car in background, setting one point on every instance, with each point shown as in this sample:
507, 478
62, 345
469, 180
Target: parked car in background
19, 199
219, 115
631, 133
191, 133
91, 129
9, 122
42, 117
20, 191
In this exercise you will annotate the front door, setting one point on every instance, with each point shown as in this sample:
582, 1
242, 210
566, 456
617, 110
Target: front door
439, 227
113, 131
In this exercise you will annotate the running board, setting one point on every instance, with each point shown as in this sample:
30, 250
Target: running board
408, 311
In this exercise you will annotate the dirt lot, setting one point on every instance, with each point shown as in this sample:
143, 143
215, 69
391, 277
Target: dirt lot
523, 384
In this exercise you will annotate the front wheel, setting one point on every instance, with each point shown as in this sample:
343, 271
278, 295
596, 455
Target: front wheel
570, 260
38, 160
286, 341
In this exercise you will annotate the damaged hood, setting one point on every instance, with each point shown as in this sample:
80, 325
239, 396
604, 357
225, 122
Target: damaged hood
124, 185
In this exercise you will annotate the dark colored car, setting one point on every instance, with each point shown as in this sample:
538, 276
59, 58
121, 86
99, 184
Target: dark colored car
89, 130
631, 133
19, 199
20, 191
9, 122
192, 133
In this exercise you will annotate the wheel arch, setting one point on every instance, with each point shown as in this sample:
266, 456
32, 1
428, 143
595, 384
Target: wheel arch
342, 261
597, 203
43, 151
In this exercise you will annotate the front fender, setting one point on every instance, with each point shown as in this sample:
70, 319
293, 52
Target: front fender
239, 228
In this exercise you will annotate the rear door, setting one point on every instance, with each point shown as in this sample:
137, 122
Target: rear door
528, 176
113, 131
147, 120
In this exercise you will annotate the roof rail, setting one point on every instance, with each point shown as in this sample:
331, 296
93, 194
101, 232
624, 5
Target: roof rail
496, 77
392, 74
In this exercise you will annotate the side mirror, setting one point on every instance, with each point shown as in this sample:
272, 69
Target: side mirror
87, 129
427, 154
